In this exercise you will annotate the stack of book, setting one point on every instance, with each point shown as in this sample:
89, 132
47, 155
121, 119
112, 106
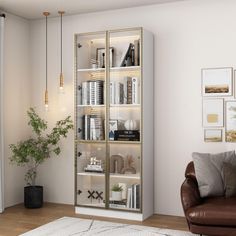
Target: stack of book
133, 196
125, 93
118, 204
126, 135
92, 92
93, 127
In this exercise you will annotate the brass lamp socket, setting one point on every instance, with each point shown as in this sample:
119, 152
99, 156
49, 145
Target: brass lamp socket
46, 97
61, 80
46, 13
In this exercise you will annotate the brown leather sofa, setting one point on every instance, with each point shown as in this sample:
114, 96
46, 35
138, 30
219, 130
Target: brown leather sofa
207, 216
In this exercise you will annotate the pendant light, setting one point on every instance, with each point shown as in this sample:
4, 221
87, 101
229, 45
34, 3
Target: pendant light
46, 14
61, 85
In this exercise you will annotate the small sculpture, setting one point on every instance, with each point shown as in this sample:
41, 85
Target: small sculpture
129, 168
130, 125
116, 164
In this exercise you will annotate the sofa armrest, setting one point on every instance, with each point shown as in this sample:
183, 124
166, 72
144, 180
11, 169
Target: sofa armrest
190, 195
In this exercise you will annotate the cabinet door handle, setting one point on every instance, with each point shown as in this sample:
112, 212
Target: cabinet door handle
79, 154
79, 130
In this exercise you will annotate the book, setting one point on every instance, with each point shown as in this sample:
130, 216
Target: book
85, 93
136, 52
135, 90
92, 92
119, 93
112, 92
129, 90
129, 192
126, 135
93, 128
125, 61
138, 193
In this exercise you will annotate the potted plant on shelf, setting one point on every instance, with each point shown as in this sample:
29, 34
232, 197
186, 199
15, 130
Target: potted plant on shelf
35, 150
116, 192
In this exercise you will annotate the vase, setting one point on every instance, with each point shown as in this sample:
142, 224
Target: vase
33, 196
116, 196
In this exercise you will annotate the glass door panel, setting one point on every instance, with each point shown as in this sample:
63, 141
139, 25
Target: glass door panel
124, 120
91, 165
91, 119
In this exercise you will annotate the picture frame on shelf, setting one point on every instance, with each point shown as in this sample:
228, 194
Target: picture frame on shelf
217, 82
213, 112
100, 57
213, 135
230, 128
113, 125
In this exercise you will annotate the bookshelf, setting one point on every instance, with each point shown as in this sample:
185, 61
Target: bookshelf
114, 123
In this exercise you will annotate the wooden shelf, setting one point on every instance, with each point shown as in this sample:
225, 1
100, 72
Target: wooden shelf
125, 68
124, 142
92, 106
92, 70
89, 141
124, 176
125, 105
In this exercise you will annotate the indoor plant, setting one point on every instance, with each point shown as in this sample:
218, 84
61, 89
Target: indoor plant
116, 192
34, 151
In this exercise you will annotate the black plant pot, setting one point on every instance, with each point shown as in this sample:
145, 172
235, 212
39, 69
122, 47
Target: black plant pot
33, 196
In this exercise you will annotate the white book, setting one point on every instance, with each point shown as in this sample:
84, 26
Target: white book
112, 92
125, 89
129, 192
135, 199
135, 90
92, 129
85, 91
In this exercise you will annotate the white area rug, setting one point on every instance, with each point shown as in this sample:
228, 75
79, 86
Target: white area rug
68, 226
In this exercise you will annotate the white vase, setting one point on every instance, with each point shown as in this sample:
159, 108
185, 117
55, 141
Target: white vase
130, 125
116, 196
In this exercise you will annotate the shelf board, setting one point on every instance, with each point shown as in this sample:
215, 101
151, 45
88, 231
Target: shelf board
125, 68
91, 70
89, 141
124, 176
125, 105
91, 174
124, 142
91, 105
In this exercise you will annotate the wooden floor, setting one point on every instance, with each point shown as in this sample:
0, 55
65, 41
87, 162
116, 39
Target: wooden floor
16, 220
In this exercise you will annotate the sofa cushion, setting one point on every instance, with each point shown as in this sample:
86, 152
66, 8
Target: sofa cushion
209, 174
218, 211
229, 177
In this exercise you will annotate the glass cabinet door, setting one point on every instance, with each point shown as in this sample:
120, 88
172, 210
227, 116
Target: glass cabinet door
124, 120
90, 119
108, 88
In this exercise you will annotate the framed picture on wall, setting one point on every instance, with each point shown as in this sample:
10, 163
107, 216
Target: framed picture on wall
217, 82
213, 135
230, 128
213, 112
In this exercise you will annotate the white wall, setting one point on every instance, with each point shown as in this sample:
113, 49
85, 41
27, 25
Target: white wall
16, 100
189, 35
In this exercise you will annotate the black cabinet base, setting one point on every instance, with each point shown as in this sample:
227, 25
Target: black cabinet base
33, 196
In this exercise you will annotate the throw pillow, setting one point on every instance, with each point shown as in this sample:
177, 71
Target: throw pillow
229, 177
209, 172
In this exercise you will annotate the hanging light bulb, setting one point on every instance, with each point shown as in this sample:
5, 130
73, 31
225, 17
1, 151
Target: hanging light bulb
61, 84
46, 14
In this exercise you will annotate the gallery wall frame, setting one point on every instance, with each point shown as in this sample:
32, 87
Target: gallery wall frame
217, 82
213, 113
230, 117
213, 135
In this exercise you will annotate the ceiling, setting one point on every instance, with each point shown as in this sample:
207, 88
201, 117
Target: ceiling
32, 9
